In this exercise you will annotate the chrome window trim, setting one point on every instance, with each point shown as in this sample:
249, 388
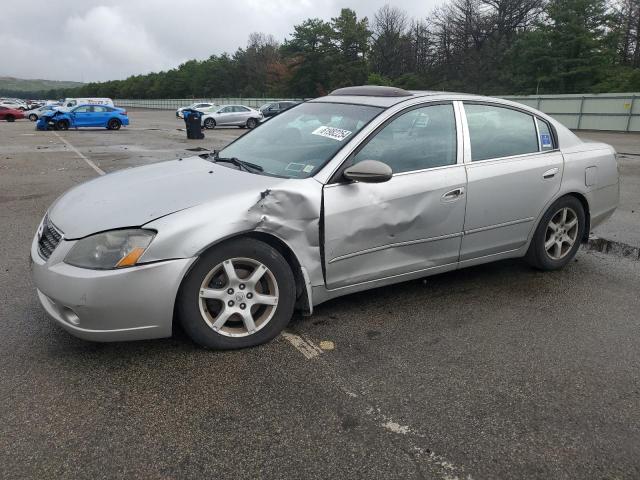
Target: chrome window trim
465, 128
460, 132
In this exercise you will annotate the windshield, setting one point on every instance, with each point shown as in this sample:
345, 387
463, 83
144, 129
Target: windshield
299, 141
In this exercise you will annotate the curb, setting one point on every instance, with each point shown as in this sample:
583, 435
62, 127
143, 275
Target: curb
612, 247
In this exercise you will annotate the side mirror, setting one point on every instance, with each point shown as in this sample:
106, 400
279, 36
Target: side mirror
368, 171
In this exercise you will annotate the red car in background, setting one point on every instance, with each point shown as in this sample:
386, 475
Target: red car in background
10, 114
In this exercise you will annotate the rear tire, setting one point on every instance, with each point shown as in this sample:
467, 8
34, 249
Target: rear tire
114, 124
33, 117
62, 125
558, 235
209, 123
10, 118
219, 305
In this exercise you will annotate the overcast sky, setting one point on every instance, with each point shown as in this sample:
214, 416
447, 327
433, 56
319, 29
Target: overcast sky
92, 40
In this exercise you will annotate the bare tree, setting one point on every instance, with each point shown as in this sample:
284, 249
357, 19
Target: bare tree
626, 15
389, 28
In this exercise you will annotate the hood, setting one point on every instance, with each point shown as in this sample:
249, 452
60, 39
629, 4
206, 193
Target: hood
136, 196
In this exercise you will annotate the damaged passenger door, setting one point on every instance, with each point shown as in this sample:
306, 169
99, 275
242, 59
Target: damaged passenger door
410, 223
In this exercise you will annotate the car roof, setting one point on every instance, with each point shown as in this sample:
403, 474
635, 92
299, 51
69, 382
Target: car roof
386, 97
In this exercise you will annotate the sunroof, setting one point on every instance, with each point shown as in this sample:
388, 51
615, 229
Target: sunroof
372, 91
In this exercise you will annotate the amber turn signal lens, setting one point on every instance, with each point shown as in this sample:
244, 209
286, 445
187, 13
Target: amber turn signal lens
131, 258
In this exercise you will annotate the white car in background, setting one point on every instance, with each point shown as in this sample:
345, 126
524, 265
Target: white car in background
13, 103
232, 115
203, 107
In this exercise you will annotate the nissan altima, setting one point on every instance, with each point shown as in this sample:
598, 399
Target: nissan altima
363, 188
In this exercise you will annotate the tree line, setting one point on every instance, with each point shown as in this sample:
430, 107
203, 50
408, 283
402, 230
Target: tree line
476, 46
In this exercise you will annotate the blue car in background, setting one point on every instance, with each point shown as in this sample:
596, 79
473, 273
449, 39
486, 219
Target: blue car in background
103, 116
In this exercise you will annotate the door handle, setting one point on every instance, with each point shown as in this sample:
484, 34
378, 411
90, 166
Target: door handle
550, 173
452, 195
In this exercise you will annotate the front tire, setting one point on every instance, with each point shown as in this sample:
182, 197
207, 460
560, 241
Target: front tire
209, 123
558, 235
252, 123
239, 294
33, 117
10, 118
62, 125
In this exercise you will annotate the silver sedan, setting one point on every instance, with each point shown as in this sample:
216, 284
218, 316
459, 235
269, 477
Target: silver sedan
363, 188
232, 115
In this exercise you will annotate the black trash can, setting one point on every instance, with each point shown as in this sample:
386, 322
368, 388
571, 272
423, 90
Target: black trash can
192, 122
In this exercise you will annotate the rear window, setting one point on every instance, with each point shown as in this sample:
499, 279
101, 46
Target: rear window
497, 132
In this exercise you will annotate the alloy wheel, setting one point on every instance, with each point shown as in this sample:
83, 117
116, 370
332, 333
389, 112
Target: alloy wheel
238, 297
561, 234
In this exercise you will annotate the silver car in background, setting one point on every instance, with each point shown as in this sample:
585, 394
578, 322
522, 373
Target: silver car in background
363, 188
36, 113
232, 115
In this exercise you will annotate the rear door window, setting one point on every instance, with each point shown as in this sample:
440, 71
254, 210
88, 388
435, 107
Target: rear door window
497, 132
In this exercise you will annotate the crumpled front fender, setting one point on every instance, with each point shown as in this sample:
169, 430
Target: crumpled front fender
289, 211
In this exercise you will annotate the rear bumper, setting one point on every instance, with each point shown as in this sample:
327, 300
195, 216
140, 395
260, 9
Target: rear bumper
108, 305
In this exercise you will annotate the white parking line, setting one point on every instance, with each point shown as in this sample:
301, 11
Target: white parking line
304, 346
89, 162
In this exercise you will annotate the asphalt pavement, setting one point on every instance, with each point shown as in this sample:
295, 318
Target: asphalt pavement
495, 372
624, 225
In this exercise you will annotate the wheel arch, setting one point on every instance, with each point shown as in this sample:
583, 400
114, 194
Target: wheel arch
587, 212
569, 193
303, 289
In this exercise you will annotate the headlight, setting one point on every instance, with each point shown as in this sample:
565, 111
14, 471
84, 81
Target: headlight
108, 250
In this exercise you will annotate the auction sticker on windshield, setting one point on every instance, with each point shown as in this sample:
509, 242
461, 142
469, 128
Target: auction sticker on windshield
332, 132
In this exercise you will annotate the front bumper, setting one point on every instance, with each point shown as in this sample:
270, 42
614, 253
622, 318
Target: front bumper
108, 305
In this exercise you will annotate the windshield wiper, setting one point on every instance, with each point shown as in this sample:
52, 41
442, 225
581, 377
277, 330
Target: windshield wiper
242, 165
